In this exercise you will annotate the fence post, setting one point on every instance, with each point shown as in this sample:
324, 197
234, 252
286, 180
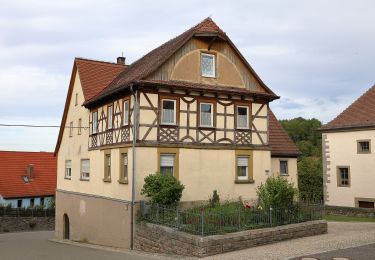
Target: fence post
239, 219
271, 215
202, 222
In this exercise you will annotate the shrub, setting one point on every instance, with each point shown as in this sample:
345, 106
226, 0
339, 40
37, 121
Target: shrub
310, 179
162, 189
276, 192
215, 199
32, 224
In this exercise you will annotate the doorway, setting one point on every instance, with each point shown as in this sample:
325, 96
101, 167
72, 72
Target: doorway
66, 227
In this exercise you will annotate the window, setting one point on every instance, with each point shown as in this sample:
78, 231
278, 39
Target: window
366, 204
168, 115
95, 122
167, 164
32, 202
79, 126
206, 115
85, 169
242, 168
284, 168
208, 65
124, 167
42, 201
343, 178
19, 203
125, 119
242, 117
107, 166
68, 169
110, 117
363, 146
71, 129
76, 99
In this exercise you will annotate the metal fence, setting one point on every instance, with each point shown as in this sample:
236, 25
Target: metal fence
26, 212
203, 221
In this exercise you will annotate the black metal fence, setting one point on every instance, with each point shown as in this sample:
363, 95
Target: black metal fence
26, 212
203, 221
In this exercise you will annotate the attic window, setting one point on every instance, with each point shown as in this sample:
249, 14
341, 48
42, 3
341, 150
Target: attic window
25, 179
208, 65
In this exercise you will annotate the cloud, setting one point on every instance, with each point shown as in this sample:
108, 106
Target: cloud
316, 55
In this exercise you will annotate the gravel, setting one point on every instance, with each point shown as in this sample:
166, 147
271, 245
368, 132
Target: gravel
340, 235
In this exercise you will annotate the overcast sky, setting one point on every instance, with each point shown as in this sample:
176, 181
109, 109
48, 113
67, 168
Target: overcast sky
317, 55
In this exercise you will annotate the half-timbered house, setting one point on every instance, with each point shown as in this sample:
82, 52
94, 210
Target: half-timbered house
193, 108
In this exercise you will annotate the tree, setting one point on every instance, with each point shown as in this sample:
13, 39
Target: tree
310, 179
162, 189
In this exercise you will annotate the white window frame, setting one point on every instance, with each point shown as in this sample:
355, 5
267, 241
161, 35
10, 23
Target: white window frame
246, 177
213, 75
85, 175
125, 116
200, 114
95, 122
68, 176
287, 168
174, 111
110, 116
247, 117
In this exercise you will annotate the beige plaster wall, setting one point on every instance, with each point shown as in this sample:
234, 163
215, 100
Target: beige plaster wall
203, 170
292, 169
90, 221
341, 150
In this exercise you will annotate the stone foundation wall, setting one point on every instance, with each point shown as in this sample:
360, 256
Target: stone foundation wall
159, 239
349, 211
16, 224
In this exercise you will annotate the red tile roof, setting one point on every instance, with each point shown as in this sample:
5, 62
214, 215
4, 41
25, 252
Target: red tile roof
361, 113
280, 142
96, 75
13, 166
154, 59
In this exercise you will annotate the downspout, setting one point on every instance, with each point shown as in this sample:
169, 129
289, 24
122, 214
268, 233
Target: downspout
135, 111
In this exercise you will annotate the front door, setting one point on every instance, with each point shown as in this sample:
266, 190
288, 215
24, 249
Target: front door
66, 227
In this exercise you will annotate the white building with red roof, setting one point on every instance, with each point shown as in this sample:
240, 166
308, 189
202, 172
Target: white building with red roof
348, 155
27, 179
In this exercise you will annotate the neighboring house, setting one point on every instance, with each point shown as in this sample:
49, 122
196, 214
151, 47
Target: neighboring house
27, 179
348, 155
199, 112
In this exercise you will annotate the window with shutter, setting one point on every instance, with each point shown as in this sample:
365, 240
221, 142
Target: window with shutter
242, 167
167, 164
85, 169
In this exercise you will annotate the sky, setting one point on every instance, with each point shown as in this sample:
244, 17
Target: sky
317, 55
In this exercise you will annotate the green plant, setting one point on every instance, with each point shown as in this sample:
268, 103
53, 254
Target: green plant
215, 199
162, 189
310, 179
276, 192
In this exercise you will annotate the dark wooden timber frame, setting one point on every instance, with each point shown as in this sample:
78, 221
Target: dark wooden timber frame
193, 135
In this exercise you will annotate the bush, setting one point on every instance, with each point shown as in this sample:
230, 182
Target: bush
215, 199
162, 189
276, 192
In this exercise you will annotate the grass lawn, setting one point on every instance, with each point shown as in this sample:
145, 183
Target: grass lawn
347, 219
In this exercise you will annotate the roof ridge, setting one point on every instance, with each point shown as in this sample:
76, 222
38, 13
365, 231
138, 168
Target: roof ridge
99, 61
2, 151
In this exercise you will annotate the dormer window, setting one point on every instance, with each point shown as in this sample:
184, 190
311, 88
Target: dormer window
208, 65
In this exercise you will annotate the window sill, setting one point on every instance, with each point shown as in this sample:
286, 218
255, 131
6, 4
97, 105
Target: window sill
286, 175
243, 181
67, 178
209, 76
123, 181
207, 127
242, 129
107, 179
81, 179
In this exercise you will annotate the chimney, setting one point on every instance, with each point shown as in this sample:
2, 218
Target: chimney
30, 171
121, 60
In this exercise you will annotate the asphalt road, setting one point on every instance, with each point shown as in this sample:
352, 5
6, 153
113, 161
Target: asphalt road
355, 253
36, 246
